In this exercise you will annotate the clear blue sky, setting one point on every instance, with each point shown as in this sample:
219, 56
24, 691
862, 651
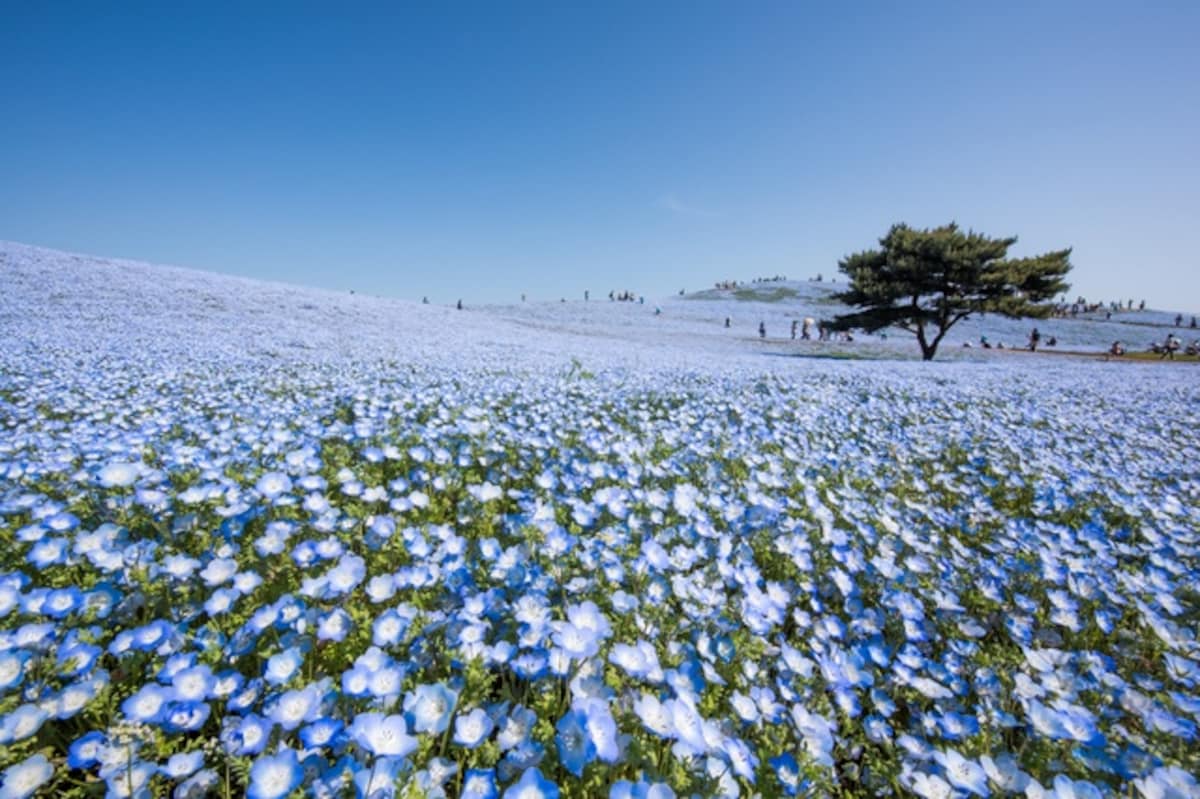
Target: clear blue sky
485, 149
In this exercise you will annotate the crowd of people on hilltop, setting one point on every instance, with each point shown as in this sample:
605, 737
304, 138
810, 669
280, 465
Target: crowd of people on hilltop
729, 285
1081, 305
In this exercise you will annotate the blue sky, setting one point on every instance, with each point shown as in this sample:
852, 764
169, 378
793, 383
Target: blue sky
481, 150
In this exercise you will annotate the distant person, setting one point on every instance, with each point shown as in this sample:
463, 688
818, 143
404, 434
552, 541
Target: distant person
794, 324
459, 306
1170, 347
1142, 305
726, 322
657, 311
1178, 319
762, 330
1034, 338
424, 300
586, 296
983, 342
1117, 349
1193, 324
806, 328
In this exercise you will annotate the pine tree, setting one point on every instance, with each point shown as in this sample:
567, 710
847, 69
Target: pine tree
926, 281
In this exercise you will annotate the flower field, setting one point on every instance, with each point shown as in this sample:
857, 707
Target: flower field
373, 578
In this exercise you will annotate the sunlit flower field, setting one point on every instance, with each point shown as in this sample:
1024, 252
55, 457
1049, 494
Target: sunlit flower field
487, 571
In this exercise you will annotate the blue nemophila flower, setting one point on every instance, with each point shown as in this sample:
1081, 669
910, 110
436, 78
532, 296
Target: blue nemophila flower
131, 780
1064, 787
275, 776
180, 567
292, 708
575, 746
787, 772
62, 602
532, 785
378, 779
515, 728
816, 733
12, 668
479, 784
741, 758
929, 786
148, 704
470, 729
385, 682
24, 778
194, 683
356, 681
86, 750
48, 552
201, 784
954, 726
247, 735
73, 698
430, 707
118, 474
273, 484
283, 666
600, 725
389, 627
244, 694
624, 789
380, 735
221, 601
151, 636
1167, 782
963, 773
655, 715
334, 625
1005, 773
183, 764
321, 733
639, 660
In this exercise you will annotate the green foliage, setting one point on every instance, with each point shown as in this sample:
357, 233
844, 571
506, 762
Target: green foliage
926, 281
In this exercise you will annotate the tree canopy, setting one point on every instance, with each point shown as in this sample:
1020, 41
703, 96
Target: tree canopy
926, 281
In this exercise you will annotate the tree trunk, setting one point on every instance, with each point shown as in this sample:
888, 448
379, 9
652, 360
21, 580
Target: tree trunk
927, 349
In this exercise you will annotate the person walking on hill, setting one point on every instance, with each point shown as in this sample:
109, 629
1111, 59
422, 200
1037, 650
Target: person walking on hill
762, 330
794, 323
1034, 338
